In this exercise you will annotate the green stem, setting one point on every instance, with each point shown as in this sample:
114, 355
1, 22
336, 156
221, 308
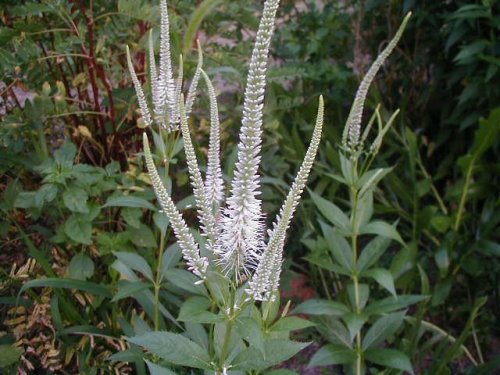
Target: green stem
355, 279
157, 283
229, 330
461, 205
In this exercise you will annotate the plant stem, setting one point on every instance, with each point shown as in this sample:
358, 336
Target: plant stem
463, 197
229, 329
355, 279
157, 283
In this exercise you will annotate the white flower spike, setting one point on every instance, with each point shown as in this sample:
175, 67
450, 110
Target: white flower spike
240, 243
165, 91
352, 131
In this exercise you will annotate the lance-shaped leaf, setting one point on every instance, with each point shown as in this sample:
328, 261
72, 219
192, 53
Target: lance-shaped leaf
352, 130
141, 98
265, 281
197, 264
205, 214
240, 243
214, 184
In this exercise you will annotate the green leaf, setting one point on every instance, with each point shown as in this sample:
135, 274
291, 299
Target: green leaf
136, 263
158, 370
194, 310
372, 252
65, 154
381, 228
331, 212
389, 358
129, 201
371, 178
186, 281
291, 323
321, 307
383, 328
338, 246
143, 236
354, 322
332, 354
9, 355
487, 133
201, 11
250, 330
81, 267
75, 199
391, 304
174, 348
79, 229
364, 294
132, 216
277, 351
47, 193
334, 330
129, 288
62, 283
383, 277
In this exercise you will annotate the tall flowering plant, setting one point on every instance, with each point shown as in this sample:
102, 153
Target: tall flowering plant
236, 261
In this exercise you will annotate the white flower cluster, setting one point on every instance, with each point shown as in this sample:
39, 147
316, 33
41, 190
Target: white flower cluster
235, 232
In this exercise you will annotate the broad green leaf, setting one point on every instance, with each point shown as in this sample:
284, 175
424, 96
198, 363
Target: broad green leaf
332, 354
250, 330
47, 193
487, 133
382, 329
186, 281
174, 348
291, 323
129, 201
129, 289
79, 229
161, 221
136, 263
381, 228
333, 330
277, 351
132, 216
339, 247
383, 277
9, 355
81, 267
363, 295
391, 304
158, 370
354, 323
331, 212
389, 358
371, 178
62, 283
364, 210
75, 199
143, 236
321, 307
65, 154
194, 310
372, 252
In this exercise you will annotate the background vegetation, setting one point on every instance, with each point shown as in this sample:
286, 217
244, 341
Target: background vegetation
74, 190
